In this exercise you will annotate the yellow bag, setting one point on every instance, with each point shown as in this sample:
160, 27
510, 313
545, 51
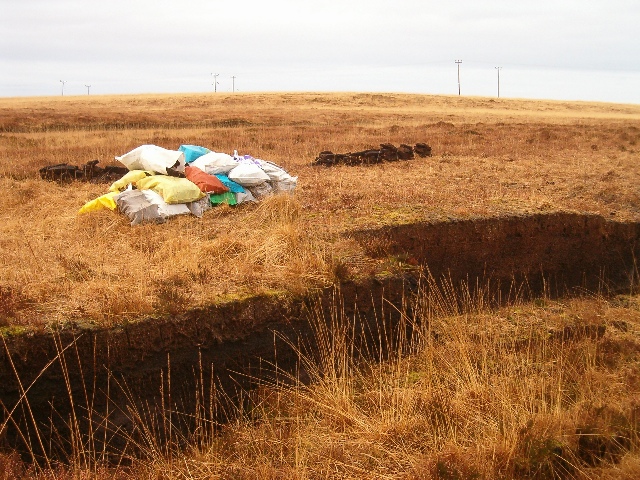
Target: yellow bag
105, 201
172, 189
132, 177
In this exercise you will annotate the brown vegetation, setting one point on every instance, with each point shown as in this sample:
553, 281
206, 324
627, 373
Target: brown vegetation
542, 390
490, 158
484, 396
547, 389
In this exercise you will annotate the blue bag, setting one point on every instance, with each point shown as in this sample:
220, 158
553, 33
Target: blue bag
191, 152
230, 184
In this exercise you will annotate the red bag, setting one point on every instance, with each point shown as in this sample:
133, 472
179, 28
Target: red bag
207, 183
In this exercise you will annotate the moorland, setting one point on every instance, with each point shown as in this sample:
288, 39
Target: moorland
491, 158
541, 387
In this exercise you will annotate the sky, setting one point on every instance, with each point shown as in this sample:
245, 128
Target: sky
561, 49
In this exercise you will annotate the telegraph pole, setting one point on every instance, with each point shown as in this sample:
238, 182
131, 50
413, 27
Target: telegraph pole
458, 62
233, 79
215, 81
88, 87
498, 69
63, 82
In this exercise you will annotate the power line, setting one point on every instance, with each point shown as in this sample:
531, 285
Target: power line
215, 81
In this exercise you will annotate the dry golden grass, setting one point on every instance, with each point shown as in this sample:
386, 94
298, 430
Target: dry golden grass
545, 390
531, 391
508, 394
490, 158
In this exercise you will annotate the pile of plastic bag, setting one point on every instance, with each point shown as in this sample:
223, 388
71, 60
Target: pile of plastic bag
164, 183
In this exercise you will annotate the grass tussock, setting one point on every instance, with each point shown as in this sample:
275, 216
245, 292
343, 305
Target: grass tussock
538, 390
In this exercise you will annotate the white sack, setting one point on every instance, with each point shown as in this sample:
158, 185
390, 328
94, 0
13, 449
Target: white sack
245, 196
248, 175
285, 185
275, 172
165, 209
135, 205
215, 162
154, 158
199, 206
279, 179
261, 190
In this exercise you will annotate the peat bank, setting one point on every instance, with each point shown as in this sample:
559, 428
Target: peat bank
80, 378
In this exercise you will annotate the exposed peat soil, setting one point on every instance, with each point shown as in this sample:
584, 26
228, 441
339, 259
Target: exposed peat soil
92, 379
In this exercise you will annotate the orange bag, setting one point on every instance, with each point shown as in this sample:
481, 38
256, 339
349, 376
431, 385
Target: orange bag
207, 183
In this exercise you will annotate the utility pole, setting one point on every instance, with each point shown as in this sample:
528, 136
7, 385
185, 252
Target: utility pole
233, 80
63, 82
88, 87
458, 62
215, 81
498, 69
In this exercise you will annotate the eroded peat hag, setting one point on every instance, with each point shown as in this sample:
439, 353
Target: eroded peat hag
95, 385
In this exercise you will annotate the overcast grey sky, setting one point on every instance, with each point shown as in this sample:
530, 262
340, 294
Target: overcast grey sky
564, 49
